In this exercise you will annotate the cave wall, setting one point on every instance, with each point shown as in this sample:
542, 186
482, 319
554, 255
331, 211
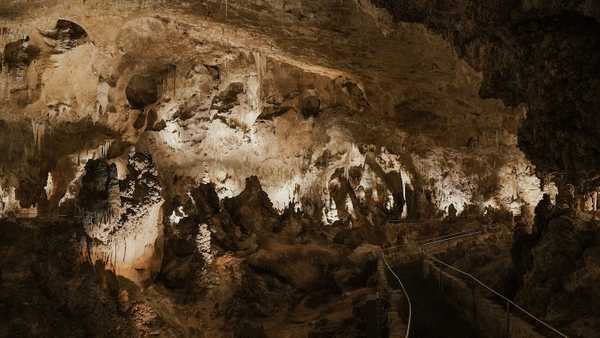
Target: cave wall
337, 109
214, 96
542, 54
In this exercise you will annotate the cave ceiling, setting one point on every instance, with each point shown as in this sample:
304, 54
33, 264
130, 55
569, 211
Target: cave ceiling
222, 90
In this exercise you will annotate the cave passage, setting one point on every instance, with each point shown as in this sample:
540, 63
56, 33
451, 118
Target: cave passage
433, 316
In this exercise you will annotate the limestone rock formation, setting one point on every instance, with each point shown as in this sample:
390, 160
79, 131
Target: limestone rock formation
239, 164
252, 210
121, 217
541, 54
218, 113
560, 281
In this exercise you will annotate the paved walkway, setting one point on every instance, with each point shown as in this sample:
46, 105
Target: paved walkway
433, 317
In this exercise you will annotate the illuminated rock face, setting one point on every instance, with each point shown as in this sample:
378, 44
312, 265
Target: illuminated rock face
372, 120
542, 54
350, 133
231, 104
122, 219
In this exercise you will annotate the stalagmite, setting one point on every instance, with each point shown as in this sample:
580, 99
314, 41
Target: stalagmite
203, 243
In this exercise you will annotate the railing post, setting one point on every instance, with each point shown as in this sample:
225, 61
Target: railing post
507, 319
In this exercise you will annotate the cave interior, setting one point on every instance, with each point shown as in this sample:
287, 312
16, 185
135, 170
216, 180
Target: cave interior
299, 168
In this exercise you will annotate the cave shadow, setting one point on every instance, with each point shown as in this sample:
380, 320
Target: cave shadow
433, 316
49, 291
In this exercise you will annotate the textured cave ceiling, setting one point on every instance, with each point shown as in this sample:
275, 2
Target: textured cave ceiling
222, 90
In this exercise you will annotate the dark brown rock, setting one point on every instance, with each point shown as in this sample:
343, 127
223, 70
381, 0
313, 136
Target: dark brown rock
252, 209
142, 90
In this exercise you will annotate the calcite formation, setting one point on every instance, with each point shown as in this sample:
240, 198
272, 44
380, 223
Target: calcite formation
188, 136
238, 100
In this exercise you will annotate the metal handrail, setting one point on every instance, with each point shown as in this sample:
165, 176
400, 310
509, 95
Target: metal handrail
403, 291
482, 284
438, 239
454, 237
428, 240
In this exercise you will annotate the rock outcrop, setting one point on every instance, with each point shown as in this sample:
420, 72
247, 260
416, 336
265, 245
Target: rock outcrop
121, 217
48, 292
252, 210
541, 54
560, 274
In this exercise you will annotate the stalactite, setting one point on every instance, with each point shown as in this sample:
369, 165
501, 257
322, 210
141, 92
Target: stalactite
261, 69
3, 201
5, 81
124, 249
405, 206
114, 262
161, 88
172, 78
104, 148
39, 131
